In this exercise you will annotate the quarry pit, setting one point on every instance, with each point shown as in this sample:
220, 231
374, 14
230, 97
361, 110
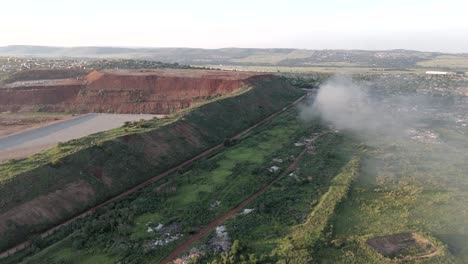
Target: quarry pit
148, 91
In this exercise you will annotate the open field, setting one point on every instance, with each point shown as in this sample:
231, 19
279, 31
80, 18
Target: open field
23, 144
449, 62
314, 69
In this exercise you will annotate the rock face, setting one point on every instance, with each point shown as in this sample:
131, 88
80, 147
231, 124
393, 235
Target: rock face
156, 91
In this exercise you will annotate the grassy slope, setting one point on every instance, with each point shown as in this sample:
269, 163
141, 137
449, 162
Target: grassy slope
302, 244
121, 152
228, 177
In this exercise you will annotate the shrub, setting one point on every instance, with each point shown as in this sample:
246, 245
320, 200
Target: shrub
57, 162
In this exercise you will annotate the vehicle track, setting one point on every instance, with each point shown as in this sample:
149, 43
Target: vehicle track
27, 243
204, 231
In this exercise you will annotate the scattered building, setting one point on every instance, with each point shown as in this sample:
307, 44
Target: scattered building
437, 73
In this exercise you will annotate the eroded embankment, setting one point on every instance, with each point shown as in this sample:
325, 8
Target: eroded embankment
107, 168
160, 91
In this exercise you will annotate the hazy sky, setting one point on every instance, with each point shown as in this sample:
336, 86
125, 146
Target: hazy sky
323, 24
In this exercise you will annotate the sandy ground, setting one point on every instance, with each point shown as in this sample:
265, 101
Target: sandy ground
32, 141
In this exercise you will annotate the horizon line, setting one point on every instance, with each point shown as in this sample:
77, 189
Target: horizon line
181, 47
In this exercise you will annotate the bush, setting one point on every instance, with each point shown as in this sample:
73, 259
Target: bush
56, 163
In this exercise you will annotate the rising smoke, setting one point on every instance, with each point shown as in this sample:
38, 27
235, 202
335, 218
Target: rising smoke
418, 146
347, 105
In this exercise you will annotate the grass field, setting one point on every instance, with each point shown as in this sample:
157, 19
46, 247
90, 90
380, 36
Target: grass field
447, 62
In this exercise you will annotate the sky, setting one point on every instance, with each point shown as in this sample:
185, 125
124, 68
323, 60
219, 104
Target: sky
424, 25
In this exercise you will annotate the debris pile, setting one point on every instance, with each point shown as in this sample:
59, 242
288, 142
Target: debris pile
273, 169
221, 241
425, 137
165, 235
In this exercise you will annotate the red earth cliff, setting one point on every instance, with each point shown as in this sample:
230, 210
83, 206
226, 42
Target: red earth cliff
157, 91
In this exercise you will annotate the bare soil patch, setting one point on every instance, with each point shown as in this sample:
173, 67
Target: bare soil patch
403, 246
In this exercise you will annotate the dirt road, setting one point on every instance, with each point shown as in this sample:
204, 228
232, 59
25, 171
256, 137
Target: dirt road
32, 141
12, 123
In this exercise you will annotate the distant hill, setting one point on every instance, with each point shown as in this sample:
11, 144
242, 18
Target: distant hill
262, 57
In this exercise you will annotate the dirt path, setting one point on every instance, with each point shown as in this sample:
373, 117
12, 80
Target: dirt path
204, 231
90, 211
26, 143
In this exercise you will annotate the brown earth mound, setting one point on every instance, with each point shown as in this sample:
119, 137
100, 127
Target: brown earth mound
155, 91
403, 245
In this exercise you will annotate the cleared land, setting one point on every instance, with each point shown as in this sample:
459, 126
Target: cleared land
29, 142
403, 245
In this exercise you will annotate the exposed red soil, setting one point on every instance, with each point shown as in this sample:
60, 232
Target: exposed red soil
155, 91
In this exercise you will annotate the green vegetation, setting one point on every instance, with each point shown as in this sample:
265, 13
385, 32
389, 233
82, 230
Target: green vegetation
340, 195
448, 62
294, 203
185, 200
301, 245
110, 162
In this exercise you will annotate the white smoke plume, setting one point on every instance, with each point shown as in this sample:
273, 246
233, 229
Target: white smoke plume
348, 106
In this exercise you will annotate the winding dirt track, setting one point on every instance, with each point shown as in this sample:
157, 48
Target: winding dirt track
90, 211
234, 210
